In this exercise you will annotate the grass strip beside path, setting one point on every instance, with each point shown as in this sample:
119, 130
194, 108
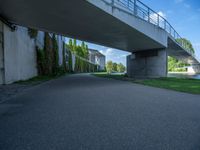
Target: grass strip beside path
178, 84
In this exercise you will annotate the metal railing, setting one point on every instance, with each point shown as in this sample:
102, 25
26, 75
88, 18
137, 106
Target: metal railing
140, 10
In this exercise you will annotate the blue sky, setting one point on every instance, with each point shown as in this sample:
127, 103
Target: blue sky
183, 15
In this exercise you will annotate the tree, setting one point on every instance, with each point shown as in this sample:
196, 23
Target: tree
114, 67
70, 44
188, 45
171, 63
176, 65
121, 67
109, 67
74, 46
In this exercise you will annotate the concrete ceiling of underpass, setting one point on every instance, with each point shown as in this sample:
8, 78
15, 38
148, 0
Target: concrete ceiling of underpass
77, 19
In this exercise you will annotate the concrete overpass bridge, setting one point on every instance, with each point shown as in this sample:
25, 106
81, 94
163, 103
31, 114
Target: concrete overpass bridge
128, 25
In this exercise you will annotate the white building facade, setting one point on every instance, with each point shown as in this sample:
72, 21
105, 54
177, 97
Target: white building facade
97, 58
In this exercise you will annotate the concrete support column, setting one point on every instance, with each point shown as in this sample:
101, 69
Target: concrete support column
1, 55
147, 64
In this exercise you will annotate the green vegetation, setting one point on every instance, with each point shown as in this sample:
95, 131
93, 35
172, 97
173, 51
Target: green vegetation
121, 67
182, 84
32, 33
109, 66
187, 44
175, 65
39, 79
81, 52
114, 67
47, 58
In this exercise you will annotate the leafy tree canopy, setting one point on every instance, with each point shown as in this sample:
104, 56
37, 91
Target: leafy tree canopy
114, 67
187, 44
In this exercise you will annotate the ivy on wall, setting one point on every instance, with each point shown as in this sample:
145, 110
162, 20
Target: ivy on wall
32, 33
40, 61
84, 66
55, 65
69, 67
48, 51
48, 59
64, 65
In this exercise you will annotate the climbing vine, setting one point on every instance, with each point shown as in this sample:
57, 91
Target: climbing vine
40, 61
32, 33
70, 61
55, 65
48, 58
64, 65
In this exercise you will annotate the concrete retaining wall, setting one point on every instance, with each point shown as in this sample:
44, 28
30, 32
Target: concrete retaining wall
20, 55
20, 62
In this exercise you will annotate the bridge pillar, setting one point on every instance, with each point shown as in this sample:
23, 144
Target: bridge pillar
147, 64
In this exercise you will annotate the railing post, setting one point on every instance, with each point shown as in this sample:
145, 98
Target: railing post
128, 3
148, 15
113, 5
158, 20
135, 7
165, 25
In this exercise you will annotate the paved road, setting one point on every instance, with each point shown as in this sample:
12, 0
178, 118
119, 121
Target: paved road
82, 112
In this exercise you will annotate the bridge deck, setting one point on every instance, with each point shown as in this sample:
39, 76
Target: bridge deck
97, 21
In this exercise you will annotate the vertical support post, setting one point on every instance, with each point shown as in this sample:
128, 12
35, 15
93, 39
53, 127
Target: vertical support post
112, 5
158, 20
148, 15
135, 7
128, 3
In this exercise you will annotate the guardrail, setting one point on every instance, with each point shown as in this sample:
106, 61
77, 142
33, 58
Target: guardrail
139, 9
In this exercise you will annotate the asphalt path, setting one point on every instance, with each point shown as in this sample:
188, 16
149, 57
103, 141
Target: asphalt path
83, 112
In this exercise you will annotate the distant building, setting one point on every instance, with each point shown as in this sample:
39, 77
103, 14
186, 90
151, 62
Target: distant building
97, 58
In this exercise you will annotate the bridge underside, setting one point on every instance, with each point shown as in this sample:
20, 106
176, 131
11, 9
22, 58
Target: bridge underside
97, 22
177, 51
77, 19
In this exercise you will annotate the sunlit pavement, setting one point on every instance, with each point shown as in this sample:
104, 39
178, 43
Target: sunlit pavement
82, 112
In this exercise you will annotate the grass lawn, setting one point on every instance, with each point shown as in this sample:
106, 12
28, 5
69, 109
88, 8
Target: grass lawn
177, 84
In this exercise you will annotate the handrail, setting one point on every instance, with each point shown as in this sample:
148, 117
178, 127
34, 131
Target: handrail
139, 9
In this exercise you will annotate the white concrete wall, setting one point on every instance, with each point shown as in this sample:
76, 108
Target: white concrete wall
20, 55
102, 63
